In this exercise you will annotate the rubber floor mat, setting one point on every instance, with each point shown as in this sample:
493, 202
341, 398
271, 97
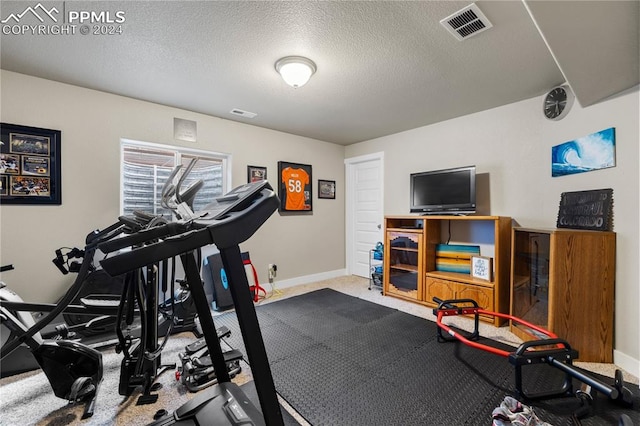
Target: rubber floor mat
340, 360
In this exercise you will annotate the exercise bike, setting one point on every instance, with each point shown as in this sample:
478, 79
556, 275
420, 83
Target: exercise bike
74, 370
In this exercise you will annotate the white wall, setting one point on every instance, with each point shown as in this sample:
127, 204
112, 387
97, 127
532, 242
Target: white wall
511, 145
92, 124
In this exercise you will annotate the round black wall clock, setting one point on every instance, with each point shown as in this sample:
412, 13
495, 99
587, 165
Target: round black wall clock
557, 102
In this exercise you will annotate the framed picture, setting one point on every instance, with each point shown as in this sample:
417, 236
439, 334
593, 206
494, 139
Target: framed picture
294, 188
327, 189
256, 173
482, 268
30, 165
593, 152
4, 184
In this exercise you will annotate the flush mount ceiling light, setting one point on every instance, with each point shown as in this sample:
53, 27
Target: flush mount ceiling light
295, 70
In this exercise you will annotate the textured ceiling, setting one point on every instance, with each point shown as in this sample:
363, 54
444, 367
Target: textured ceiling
383, 67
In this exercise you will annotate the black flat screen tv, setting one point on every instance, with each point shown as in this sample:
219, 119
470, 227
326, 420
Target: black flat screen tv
448, 191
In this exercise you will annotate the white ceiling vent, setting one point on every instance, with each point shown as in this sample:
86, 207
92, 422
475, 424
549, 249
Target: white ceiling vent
243, 113
466, 22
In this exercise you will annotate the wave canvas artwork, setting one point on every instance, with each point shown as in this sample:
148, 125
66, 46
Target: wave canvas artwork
593, 152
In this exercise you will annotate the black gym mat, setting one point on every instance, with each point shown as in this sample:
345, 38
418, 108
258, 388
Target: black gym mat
250, 391
340, 360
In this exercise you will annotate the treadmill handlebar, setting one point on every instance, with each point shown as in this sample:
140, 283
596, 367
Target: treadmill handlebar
233, 228
143, 236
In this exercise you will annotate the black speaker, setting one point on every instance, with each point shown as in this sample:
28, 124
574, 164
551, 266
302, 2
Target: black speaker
216, 285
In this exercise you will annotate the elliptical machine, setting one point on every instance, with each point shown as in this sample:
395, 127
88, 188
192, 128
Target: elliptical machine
141, 364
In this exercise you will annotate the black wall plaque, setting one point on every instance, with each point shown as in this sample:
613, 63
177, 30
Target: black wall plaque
586, 210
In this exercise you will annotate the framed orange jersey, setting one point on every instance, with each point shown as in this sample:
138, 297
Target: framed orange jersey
294, 187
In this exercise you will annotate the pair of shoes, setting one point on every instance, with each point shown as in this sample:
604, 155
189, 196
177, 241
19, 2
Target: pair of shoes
512, 412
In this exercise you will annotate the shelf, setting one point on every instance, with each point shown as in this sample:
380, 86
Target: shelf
462, 278
420, 218
376, 268
412, 229
519, 281
421, 235
415, 250
404, 267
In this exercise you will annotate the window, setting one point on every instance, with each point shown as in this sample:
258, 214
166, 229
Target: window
146, 168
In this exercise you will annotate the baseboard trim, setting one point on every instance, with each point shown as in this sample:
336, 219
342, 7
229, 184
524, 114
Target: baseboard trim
308, 279
626, 362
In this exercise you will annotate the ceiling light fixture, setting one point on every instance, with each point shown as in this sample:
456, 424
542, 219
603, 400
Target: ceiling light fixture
295, 70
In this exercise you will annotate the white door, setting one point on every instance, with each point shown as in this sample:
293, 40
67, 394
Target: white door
364, 210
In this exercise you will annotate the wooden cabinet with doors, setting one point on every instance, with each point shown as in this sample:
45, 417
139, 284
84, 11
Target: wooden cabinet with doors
403, 263
563, 280
411, 271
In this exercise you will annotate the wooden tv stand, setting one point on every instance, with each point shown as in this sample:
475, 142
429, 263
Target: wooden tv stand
410, 259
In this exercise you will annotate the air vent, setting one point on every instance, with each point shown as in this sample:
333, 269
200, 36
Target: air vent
466, 22
243, 113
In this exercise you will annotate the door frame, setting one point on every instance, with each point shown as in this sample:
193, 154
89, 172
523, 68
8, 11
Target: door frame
349, 202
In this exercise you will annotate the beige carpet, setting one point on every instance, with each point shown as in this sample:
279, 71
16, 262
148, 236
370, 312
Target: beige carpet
41, 407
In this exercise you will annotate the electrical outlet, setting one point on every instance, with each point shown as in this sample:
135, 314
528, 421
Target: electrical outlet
272, 268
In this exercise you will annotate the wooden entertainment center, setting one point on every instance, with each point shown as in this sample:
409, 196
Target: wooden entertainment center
410, 270
560, 279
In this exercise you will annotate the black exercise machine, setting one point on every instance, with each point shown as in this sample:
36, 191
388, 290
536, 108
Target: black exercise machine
551, 350
73, 369
100, 289
91, 316
226, 222
196, 370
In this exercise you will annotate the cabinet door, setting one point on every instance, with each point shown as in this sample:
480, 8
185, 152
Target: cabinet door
581, 298
530, 280
404, 264
444, 289
482, 295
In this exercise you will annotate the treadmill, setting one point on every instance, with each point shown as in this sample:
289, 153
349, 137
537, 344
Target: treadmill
226, 222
